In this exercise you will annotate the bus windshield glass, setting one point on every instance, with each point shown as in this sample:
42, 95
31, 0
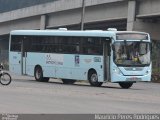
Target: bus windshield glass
131, 53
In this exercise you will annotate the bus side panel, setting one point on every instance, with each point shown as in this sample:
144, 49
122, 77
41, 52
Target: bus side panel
63, 69
63, 72
77, 66
15, 62
83, 63
79, 73
34, 59
65, 65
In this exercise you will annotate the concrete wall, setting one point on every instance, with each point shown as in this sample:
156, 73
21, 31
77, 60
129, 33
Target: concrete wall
25, 23
142, 15
148, 17
148, 8
68, 12
61, 13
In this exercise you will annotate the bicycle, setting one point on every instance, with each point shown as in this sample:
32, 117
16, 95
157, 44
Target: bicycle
5, 78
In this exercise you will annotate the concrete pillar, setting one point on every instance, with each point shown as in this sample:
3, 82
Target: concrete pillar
131, 14
83, 14
150, 27
43, 22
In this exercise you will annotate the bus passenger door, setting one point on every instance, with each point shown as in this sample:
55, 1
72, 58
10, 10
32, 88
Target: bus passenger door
106, 62
17, 56
24, 57
15, 62
24, 63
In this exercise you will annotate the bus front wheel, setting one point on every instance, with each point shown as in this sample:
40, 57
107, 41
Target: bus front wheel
93, 79
39, 75
126, 85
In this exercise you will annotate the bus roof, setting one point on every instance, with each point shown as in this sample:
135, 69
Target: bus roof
85, 33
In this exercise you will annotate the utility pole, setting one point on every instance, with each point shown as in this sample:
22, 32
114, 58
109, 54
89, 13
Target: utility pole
83, 14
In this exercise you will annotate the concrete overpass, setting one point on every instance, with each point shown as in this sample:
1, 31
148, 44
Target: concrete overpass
141, 15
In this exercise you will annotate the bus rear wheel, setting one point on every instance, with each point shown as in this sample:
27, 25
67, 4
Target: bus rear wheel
93, 79
126, 85
38, 74
68, 81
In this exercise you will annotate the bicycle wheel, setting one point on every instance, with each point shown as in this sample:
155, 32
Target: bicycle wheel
5, 79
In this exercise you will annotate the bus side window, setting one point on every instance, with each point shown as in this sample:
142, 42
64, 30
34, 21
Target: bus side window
77, 49
91, 51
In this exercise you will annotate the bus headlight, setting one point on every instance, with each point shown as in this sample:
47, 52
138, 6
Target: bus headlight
148, 71
117, 71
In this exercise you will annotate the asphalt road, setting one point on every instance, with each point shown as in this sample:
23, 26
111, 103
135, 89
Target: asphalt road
25, 95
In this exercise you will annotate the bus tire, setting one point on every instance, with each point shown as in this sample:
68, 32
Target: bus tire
39, 75
125, 85
68, 81
93, 79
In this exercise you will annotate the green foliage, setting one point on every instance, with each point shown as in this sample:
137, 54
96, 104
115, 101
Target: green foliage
155, 57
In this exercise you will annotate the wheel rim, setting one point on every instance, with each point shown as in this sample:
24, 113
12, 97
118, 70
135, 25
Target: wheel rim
94, 78
38, 73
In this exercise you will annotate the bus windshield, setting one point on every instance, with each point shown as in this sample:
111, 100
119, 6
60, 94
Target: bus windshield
131, 53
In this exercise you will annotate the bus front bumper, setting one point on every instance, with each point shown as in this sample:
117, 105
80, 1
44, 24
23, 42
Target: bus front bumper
134, 78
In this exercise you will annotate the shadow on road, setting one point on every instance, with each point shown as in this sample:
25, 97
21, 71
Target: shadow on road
80, 84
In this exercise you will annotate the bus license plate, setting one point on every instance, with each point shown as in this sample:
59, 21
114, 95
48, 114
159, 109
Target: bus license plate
133, 79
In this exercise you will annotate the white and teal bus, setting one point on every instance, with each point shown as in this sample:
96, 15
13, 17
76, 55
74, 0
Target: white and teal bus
93, 55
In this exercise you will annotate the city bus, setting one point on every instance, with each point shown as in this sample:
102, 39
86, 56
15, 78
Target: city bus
93, 55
